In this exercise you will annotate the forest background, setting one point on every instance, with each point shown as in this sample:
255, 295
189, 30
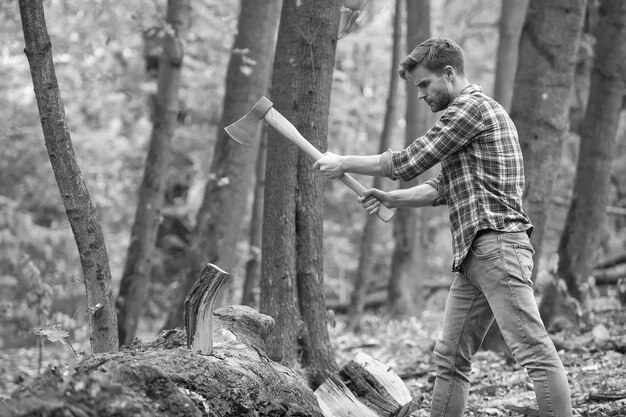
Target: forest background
105, 52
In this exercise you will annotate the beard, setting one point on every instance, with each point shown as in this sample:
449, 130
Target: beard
440, 100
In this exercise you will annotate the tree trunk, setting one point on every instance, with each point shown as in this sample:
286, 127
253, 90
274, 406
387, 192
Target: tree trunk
365, 271
408, 260
318, 25
253, 266
292, 288
549, 44
510, 29
278, 297
136, 276
585, 220
218, 223
81, 212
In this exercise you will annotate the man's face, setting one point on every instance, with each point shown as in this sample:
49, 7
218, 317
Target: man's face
433, 88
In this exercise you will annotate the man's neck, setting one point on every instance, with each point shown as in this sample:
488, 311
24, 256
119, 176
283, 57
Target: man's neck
459, 85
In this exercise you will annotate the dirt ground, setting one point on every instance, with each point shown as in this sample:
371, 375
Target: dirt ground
594, 358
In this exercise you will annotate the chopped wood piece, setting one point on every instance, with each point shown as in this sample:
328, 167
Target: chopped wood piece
336, 400
375, 385
199, 308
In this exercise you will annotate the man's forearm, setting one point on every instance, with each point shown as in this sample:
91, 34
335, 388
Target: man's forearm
366, 165
422, 195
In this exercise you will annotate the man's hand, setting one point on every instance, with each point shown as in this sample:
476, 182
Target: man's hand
372, 199
330, 164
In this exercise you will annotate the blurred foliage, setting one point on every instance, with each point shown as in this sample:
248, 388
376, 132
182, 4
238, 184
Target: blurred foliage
104, 54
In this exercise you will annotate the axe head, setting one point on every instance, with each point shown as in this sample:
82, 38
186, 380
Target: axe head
244, 130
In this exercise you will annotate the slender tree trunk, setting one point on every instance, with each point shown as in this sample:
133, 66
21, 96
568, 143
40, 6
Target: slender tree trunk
549, 44
584, 225
136, 278
365, 272
218, 223
81, 212
317, 42
292, 288
253, 266
510, 28
408, 258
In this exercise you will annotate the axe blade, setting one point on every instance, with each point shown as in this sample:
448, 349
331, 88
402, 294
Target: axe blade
244, 130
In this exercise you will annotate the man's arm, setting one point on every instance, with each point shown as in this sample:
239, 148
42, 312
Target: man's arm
334, 166
422, 195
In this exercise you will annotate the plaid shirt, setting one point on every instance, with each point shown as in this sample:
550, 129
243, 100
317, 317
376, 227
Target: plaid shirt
482, 171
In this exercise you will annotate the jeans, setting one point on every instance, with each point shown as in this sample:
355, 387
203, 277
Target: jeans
494, 282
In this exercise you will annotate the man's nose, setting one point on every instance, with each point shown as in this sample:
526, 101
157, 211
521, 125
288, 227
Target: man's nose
421, 95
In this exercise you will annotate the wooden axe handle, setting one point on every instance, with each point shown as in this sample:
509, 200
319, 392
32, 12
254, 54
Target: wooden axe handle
288, 130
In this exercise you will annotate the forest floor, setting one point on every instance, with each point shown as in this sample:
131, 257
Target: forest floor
594, 357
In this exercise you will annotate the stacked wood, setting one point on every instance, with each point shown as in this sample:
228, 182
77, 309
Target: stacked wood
166, 378
364, 387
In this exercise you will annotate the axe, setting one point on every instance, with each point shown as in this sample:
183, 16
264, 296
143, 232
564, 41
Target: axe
244, 131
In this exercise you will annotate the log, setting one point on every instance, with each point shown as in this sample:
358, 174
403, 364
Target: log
199, 308
378, 297
611, 261
168, 377
609, 276
606, 396
364, 383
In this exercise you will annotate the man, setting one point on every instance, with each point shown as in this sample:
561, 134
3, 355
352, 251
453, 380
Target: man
481, 180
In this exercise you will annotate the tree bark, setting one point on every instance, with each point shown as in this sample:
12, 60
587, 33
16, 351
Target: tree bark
316, 41
136, 276
253, 266
218, 223
80, 210
510, 29
408, 260
549, 44
292, 288
578, 248
365, 271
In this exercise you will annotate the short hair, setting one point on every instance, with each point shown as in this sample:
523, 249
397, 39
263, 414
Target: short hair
434, 54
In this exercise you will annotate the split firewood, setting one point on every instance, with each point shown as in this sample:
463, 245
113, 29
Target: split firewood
365, 384
336, 400
377, 386
199, 308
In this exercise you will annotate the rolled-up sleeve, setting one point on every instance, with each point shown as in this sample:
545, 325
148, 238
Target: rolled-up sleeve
438, 184
386, 166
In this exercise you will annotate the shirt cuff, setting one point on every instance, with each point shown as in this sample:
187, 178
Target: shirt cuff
386, 165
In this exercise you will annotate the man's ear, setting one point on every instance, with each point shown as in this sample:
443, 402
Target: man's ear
449, 72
